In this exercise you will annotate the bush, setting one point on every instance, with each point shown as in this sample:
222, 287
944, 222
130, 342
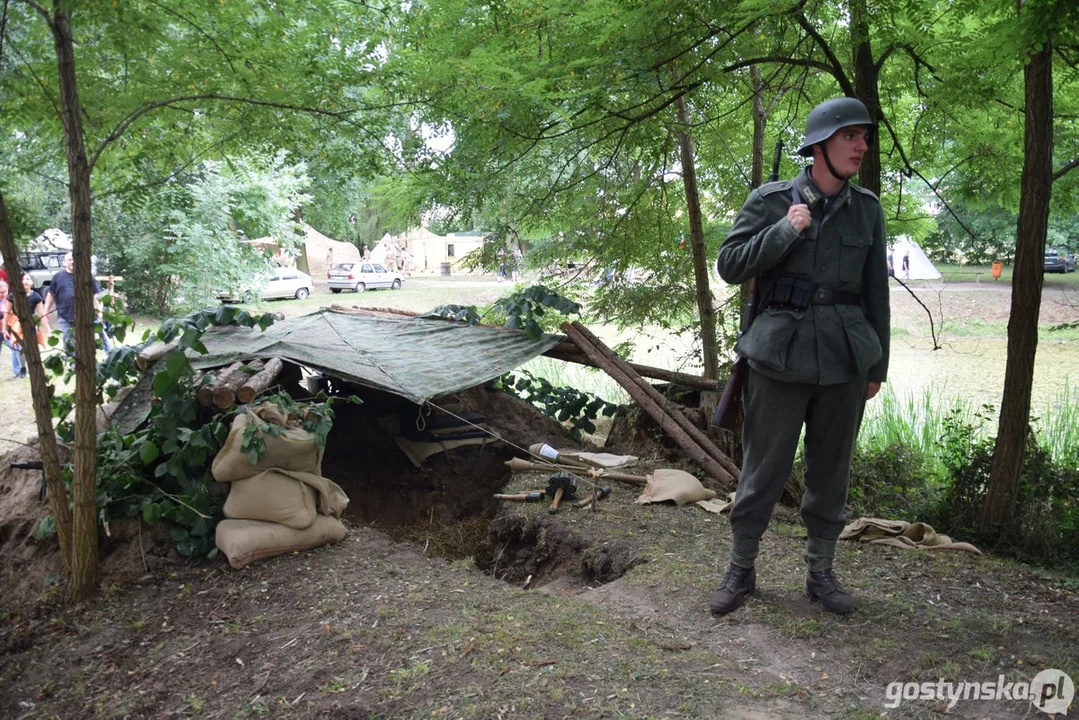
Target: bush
892, 482
1043, 530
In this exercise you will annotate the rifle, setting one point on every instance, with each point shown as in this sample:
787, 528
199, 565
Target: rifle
730, 402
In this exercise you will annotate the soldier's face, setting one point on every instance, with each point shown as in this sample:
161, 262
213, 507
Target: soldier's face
847, 147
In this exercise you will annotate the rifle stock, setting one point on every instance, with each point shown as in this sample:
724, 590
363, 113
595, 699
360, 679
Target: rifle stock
730, 402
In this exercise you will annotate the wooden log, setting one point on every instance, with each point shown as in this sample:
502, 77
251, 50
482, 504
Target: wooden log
260, 381
705, 461
569, 352
525, 465
205, 394
153, 352
226, 386
692, 430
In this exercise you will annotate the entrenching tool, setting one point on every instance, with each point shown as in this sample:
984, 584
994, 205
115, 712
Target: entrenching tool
561, 485
596, 495
534, 496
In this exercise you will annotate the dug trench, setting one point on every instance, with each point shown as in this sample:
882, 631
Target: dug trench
378, 627
446, 506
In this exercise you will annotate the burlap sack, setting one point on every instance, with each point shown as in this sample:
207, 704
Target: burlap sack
294, 450
675, 485
274, 497
245, 541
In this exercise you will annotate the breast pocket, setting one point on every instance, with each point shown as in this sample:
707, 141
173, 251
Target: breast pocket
803, 254
854, 247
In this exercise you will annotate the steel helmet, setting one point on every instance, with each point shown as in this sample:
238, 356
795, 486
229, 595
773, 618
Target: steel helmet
829, 117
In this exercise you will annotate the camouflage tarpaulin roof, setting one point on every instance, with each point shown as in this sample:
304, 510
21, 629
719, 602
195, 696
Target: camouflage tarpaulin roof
415, 358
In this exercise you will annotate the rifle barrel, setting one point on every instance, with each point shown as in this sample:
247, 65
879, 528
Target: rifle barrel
776, 159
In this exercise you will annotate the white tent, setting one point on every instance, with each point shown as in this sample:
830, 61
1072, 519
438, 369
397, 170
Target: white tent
52, 240
917, 266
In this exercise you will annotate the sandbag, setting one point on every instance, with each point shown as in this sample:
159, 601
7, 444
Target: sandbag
293, 450
274, 497
245, 541
675, 485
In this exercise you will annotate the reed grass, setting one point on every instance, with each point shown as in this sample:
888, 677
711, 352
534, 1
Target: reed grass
1057, 428
917, 422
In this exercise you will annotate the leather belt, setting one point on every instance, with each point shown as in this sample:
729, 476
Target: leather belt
827, 296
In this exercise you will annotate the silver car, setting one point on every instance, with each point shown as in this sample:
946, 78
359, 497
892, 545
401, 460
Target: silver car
360, 276
275, 284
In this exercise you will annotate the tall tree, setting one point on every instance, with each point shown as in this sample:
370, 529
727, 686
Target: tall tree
1042, 20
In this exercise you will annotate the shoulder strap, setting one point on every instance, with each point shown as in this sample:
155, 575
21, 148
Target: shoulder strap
796, 198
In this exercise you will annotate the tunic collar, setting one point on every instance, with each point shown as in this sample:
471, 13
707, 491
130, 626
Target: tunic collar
811, 194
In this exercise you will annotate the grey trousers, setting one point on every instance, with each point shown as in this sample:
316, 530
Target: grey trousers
775, 412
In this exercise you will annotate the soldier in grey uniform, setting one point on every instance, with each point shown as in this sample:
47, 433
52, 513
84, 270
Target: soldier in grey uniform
818, 349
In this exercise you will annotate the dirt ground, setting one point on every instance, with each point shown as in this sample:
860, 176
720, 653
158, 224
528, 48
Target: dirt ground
442, 603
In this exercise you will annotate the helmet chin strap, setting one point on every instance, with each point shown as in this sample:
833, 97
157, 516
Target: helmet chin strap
831, 168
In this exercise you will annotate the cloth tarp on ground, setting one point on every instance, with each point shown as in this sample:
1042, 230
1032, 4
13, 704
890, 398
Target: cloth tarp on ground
415, 358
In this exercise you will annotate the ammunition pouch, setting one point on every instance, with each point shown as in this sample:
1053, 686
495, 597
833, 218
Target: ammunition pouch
791, 292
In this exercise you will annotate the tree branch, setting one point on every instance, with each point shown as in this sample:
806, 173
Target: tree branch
198, 29
837, 67
134, 115
781, 59
931, 186
42, 12
909, 50
1066, 169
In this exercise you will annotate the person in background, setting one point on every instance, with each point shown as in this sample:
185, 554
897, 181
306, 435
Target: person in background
61, 300
15, 331
4, 307
906, 265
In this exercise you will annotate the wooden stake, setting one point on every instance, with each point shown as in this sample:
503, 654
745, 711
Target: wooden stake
692, 430
705, 461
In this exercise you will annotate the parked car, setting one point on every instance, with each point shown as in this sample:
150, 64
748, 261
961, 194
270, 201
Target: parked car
1060, 261
360, 276
277, 283
41, 266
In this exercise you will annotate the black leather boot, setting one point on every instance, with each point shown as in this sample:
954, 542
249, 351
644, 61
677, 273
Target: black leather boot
737, 583
822, 586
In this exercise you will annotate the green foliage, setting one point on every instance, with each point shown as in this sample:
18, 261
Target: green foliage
567, 405
525, 309
890, 482
160, 472
461, 313
1045, 526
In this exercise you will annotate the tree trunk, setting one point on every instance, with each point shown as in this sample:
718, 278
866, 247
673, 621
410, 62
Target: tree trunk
1030, 236
39, 392
83, 577
705, 306
865, 88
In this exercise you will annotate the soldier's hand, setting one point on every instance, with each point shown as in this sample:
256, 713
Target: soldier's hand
798, 216
874, 388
